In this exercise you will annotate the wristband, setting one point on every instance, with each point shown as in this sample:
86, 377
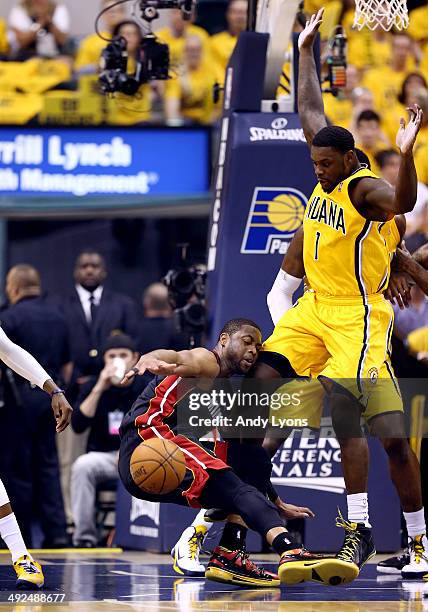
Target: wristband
57, 392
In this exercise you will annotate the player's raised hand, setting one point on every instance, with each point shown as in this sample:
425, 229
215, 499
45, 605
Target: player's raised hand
149, 363
307, 36
406, 134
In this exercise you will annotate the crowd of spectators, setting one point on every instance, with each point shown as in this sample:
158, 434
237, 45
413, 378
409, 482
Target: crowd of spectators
45, 70
386, 71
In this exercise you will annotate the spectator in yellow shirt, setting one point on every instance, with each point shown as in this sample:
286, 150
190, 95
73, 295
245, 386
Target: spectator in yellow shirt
421, 149
418, 24
389, 164
385, 82
4, 42
362, 100
129, 110
370, 49
421, 98
369, 138
412, 84
223, 43
89, 51
175, 34
189, 96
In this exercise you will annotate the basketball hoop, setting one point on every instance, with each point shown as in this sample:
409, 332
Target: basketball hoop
385, 14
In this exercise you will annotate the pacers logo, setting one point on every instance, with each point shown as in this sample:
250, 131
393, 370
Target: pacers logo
275, 215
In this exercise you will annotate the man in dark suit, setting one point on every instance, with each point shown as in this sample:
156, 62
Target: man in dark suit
31, 470
92, 313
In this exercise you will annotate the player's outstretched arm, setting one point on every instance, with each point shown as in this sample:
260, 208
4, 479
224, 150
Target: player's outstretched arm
421, 256
20, 361
191, 363
280, 297
309, 97
406, 263
376, 199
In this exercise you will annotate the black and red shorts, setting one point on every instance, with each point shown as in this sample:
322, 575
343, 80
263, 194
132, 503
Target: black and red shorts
200, 461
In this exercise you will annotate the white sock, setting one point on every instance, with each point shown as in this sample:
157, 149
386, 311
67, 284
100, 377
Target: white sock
415, 523
200, 520
11, 534
358, 508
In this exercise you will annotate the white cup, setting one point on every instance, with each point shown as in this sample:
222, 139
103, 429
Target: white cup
119, 370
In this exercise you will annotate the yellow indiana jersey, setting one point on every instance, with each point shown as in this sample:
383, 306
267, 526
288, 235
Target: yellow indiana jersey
194, 92
176, 44
345, 255
221, 47
4, 43
391, 234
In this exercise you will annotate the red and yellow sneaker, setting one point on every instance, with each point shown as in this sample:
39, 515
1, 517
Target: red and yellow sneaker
235, 567
300, 565
29, 573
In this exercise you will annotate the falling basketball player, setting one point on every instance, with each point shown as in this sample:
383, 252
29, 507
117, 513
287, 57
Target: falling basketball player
340, 330
209, 482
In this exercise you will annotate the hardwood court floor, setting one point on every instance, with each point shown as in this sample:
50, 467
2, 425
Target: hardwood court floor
115, 581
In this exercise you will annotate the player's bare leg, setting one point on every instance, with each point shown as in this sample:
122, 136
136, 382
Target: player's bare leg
29, 573
358, 546
406, 476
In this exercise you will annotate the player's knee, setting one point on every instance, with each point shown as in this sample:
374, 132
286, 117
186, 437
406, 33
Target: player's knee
251, 463
345, 416
397, 449
250, 500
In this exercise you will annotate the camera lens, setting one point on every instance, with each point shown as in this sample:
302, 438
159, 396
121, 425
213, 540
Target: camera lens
194, 316
183, 282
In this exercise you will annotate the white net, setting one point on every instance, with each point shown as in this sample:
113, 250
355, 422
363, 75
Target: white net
384, 14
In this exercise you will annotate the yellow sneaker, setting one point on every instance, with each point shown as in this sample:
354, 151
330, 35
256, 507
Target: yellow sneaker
29, 573
299, 565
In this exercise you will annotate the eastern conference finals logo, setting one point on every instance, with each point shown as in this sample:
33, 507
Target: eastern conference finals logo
276, 213
307, 459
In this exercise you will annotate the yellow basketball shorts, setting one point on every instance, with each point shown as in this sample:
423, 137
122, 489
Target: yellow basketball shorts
342, 340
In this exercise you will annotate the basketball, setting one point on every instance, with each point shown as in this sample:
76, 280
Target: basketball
157, 466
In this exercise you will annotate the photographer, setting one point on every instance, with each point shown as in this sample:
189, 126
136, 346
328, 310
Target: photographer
100, 408
186, 293
137, 109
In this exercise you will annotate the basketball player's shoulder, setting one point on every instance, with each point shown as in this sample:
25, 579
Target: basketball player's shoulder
361, 185
207, 360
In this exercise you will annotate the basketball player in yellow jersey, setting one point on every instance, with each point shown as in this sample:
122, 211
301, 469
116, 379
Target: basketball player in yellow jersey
340, 329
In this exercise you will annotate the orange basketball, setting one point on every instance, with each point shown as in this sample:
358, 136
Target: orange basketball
157, 466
